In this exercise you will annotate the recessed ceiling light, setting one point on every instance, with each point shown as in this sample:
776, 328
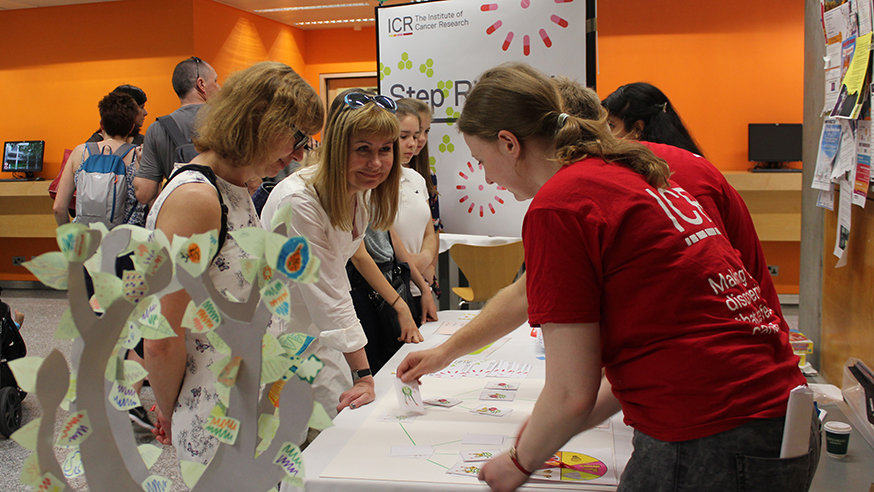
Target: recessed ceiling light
314, 7
335, 21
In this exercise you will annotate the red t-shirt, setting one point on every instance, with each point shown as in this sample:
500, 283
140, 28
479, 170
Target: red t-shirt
688, 344
725, 206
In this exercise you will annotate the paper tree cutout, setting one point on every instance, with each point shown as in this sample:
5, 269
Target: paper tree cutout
258, 456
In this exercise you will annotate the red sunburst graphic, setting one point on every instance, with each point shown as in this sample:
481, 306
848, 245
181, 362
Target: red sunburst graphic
482, 193
526, 39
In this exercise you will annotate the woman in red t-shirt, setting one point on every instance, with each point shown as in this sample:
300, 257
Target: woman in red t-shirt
627, 271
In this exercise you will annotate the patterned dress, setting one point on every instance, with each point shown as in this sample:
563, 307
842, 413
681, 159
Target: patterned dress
198, 396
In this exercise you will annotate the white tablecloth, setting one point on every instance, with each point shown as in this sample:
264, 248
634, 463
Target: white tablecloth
520, 347
447, 240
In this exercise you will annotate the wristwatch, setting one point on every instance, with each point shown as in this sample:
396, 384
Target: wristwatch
360, 373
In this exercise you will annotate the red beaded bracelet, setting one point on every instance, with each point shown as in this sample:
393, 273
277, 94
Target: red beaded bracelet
516, 462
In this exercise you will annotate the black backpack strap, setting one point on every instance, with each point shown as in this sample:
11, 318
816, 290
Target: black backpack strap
173, 130
207, 172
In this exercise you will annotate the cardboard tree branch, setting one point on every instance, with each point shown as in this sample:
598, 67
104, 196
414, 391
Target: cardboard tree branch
98, 425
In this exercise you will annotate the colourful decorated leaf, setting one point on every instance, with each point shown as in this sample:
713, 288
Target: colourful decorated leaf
203, 318
134, 372
74, 430
217, 343
27, 434
30, 473
225, 429
150, 454
290, 459
50, 269
276, 297
74, 240
319, 418
294, 259
295, 343
191, 472
270, 346
249, 268
24, 370
251, 240
107, 288
134, 286
66, 329
123, 396
195, 253
281, 216
273, 367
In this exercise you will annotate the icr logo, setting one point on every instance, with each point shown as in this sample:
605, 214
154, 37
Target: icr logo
400, 26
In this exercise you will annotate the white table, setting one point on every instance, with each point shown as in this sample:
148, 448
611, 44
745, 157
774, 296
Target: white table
332, 442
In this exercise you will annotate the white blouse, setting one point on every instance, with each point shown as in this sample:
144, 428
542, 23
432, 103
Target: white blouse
323, 309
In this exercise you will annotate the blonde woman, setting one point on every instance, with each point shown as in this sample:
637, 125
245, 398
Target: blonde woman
255, 126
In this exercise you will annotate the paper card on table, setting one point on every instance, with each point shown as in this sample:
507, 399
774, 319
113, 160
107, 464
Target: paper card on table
156, 482
290, 459
481, 368
396, 417
50, 269
501, 369
484, 439
502, 385
450, 327
26, 435
123, 397
422, 452
409, 397
482, 455
72, 466
224, 428
149, 453
30, 473
497, 395
24, 370
453, 371
75, 429
191, 472
202, 318
66, 329
492, 411
464, 469
521, 371
49, 483
442, 402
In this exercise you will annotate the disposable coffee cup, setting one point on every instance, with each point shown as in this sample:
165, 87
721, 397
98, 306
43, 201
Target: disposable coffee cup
837, 438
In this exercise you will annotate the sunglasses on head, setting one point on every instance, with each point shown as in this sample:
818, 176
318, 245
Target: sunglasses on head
197, 62
357, 99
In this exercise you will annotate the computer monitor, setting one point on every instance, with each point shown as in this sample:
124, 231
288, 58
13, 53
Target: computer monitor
23, 157
773, 144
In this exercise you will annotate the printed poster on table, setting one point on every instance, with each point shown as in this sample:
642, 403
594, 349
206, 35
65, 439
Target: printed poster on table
434, 51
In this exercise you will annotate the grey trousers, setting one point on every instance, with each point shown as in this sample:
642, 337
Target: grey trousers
744, 459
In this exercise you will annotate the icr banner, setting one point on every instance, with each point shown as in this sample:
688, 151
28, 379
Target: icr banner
434, 51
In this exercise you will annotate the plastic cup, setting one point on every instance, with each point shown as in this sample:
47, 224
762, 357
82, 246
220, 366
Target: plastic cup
837, 438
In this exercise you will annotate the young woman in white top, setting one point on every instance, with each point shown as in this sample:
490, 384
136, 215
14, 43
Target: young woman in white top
353, 182
257, 124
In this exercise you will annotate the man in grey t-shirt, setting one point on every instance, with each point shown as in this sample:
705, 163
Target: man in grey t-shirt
194, 81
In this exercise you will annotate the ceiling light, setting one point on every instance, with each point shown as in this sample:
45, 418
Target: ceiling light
335, 21
314, 7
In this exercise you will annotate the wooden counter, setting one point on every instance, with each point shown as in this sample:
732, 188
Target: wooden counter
26, 209
774, 201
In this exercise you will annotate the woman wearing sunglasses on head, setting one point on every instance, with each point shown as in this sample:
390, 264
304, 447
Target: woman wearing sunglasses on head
353, 182
626, 272
254, 126
386, 258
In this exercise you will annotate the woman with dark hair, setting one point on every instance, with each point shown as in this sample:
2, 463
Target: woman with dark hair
627, 273
640, 111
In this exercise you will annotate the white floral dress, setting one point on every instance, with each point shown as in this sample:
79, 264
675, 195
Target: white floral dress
197, 396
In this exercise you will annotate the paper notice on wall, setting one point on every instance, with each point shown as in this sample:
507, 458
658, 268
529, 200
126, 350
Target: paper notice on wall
863, 9
826, 199
832, 76
835, 23
829, 143
863, 163
845, 215
846, 157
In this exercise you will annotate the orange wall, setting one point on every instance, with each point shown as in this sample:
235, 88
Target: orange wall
722, 66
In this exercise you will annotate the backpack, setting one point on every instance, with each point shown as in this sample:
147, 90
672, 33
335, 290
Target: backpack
11, 345
208, 173
101, 186
185, 150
